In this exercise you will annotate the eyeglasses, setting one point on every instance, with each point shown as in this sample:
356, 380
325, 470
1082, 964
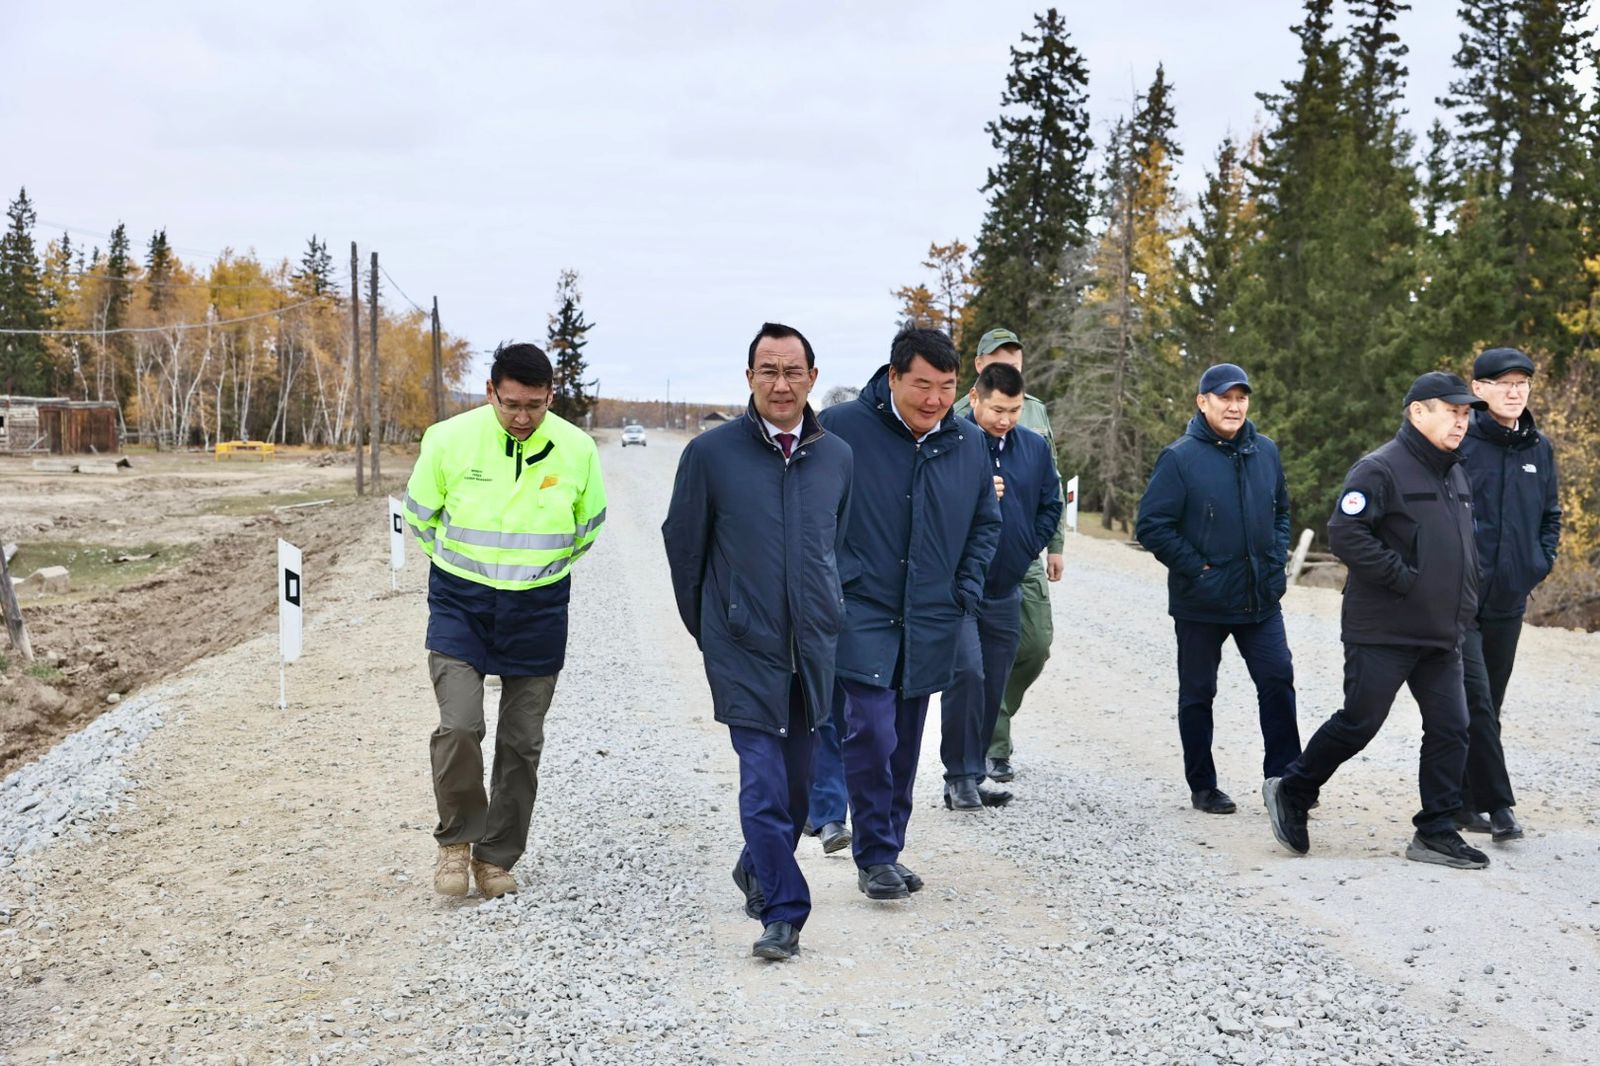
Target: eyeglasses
1524, 384
515, 409
769, 375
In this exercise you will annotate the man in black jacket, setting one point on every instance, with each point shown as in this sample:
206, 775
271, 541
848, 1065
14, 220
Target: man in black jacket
1216, 514
1403, 525
756, 523
1514, 498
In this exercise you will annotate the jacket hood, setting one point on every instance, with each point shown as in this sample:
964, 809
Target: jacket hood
1522, 435
877, 396
1244, 441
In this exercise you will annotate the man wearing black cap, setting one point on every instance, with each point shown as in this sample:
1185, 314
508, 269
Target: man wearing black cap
1513, 473
1403, 525
1216, 513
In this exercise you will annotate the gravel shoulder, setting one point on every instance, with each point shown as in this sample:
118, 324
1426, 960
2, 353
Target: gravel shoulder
239, 883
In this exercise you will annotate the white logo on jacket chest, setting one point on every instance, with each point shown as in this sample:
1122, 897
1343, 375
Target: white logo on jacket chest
1529, 468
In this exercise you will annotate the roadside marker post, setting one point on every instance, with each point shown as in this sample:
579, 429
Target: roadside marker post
1072, 504
289, 613
397, 542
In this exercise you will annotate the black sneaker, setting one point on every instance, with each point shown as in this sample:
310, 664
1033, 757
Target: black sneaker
1446, 849
1288, 820
1000, 770
1213, 801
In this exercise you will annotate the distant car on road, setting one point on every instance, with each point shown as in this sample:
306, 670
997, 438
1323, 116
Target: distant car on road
633, 435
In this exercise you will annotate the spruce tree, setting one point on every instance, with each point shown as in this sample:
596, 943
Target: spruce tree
119, 271
1040, 193
24, 362
159, 263
1211, 263
572, 396
315, 276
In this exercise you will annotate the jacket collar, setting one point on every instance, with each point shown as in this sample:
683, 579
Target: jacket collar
809, 430
1243, 442
877, 396
538, 440
1484, 427
1438, 461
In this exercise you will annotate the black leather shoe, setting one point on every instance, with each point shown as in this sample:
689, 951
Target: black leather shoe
1473, 821
913, 882
780, 940
1213, 801
882, 882
834, 837
808, 830
962, 795
1288, 820
993, 797
1446, 849
1000, 770
755, 901
1504, 825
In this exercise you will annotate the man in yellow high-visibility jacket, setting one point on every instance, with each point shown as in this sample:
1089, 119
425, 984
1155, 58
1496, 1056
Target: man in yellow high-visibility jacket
504, 498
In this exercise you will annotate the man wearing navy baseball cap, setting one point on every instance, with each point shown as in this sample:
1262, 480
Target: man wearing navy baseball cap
1403, 525
1216, 513
1514, 494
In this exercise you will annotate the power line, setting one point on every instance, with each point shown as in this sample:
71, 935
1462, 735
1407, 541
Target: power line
180, 326
136, 280
384, 271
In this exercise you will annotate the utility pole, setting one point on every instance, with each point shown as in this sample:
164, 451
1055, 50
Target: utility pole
375, 423
355, 361
438, 367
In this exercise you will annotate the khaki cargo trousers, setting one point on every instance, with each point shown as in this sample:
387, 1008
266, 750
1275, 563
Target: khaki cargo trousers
495, 825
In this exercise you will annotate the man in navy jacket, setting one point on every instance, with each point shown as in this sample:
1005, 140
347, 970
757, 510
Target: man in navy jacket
1216, 513
1517, 524
1030, 514
756, 523
923, 526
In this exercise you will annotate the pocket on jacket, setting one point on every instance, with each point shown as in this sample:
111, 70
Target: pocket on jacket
738, 609
1277, 581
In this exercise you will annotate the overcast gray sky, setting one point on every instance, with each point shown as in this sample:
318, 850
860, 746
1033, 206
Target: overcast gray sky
704, 166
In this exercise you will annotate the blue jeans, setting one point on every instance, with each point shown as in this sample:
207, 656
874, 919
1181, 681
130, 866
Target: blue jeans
882, 741
970, 707
774, 774
1265, 650
830, 799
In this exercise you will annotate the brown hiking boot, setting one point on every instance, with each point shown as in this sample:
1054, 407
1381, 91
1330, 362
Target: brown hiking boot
492, 881
450, 870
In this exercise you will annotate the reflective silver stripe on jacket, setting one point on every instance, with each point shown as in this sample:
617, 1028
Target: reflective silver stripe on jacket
503, 571
424, 533
423, 513
488, 538
592, 524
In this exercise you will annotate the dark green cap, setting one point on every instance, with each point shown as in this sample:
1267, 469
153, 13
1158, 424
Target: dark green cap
997, 338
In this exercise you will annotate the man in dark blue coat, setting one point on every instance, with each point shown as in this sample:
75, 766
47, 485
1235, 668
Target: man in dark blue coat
1216, 513
1030, 514
923, 527
1517, 524
755, 527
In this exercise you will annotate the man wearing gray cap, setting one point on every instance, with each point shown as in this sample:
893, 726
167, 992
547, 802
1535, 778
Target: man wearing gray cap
1403, 526
1514, 495
1216, 514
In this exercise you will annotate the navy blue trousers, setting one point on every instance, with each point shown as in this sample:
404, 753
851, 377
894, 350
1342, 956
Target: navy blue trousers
969, 708
1488, 651
774, 776
1265, 650
882, 741
1373, 674
830, 799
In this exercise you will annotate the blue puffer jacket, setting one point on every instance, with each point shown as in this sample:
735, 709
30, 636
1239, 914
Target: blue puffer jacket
1222, 503
752, 545
1030, 511
1516, 510
924, 525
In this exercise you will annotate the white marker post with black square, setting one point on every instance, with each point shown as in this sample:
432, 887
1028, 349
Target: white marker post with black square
289, 612
397, 542
1072, 504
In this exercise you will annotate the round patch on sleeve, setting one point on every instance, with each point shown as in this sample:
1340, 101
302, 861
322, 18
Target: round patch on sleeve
1353, 502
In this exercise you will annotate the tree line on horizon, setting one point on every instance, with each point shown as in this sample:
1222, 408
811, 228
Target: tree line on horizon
1328, 253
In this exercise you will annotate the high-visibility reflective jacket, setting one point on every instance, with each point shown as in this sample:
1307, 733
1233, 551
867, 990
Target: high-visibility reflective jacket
501, 512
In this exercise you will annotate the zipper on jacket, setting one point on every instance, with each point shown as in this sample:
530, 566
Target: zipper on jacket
1249, 549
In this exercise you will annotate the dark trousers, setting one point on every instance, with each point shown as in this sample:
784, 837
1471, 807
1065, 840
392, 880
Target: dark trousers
882, 740
970, 707
1265, 650
494, 823
774, 775
1488, 651
830, 799
1373, 674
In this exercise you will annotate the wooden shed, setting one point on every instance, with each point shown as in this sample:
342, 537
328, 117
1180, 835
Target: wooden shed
58, 425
